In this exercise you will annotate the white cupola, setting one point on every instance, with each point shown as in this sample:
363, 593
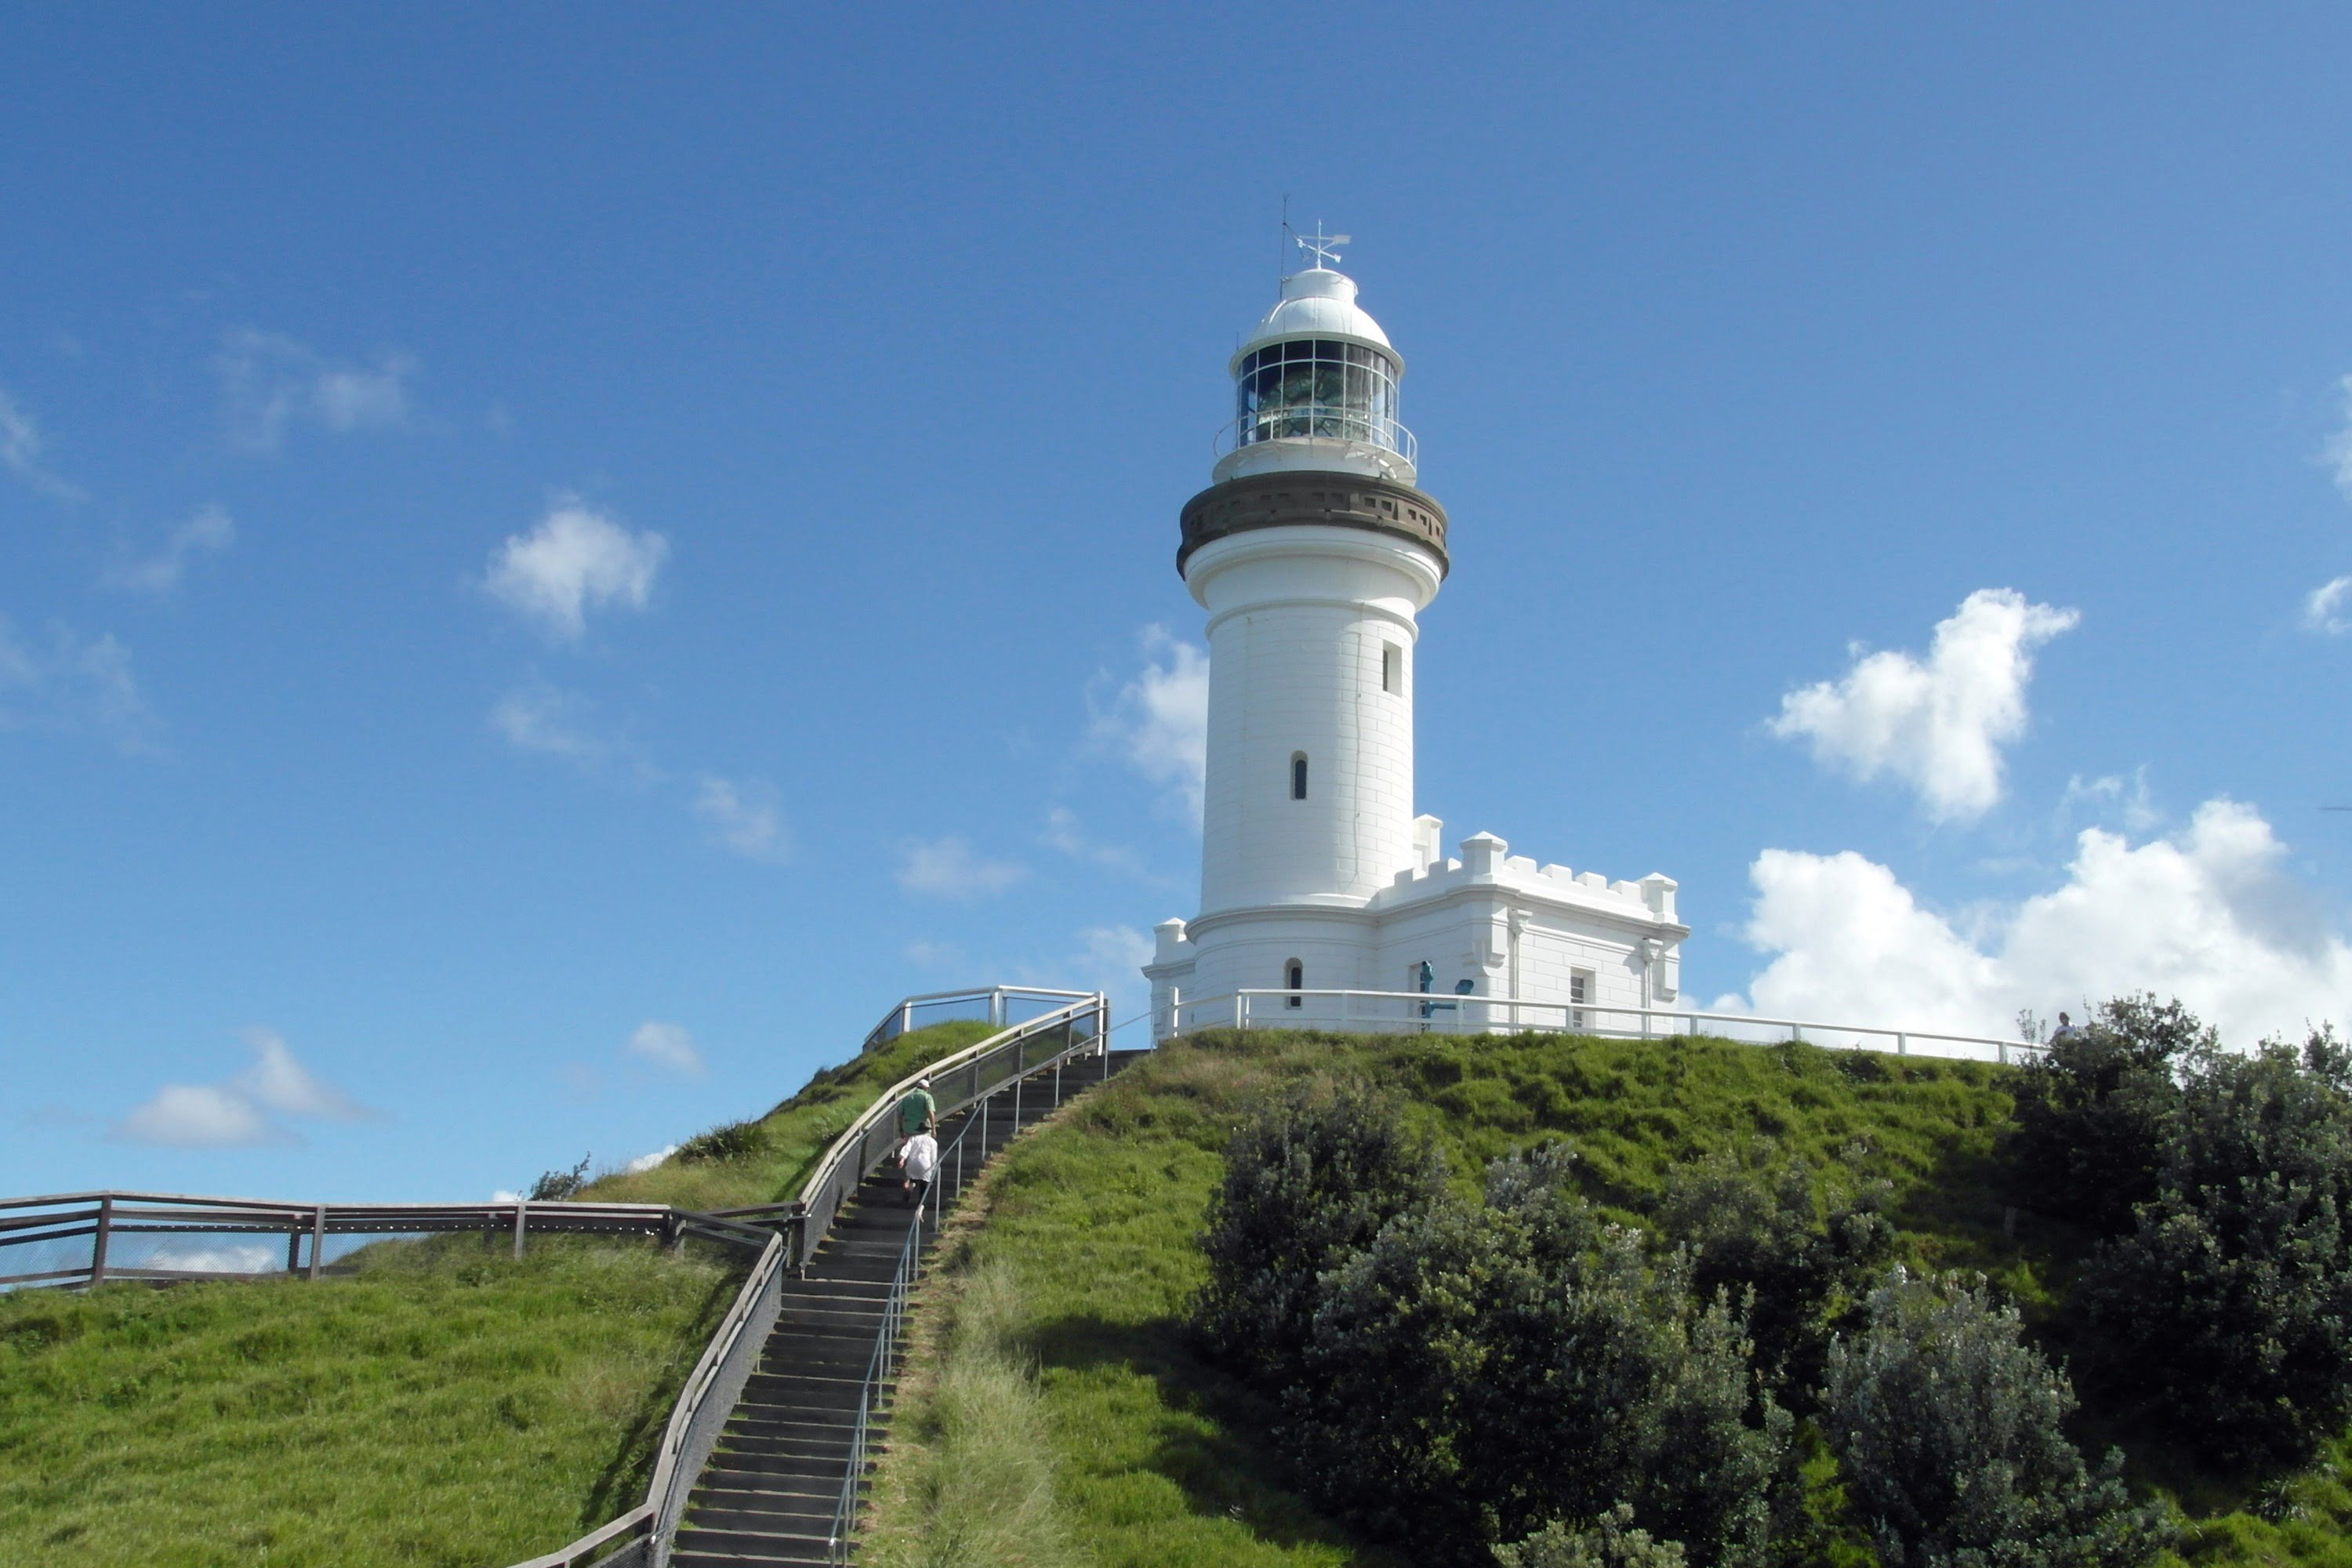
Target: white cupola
1314, 389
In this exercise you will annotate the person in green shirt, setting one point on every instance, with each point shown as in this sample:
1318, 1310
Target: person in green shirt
918, 1112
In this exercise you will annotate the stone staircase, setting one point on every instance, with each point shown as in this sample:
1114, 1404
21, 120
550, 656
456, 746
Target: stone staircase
771, 1490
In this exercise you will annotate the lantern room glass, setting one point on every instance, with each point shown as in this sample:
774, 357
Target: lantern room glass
1340, 390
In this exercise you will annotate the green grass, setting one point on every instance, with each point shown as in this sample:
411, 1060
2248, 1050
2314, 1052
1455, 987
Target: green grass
1085, 1230
444, 1405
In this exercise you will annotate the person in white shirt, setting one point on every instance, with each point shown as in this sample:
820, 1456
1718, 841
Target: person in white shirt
919, 1159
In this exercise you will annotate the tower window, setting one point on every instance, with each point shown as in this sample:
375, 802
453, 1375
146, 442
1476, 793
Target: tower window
1298, 775
1293, 976
1391, 668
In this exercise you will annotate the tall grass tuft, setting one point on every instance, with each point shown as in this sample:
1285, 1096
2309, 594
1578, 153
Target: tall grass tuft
978, 1477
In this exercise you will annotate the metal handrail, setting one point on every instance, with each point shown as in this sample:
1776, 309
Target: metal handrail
900, 1019
877, 1371
866, 1142
1232, 1010
106, 1215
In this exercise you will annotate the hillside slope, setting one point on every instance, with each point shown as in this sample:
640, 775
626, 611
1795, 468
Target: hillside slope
1081, 1261
443, 1405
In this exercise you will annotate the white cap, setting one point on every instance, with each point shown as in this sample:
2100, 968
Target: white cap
1316, 303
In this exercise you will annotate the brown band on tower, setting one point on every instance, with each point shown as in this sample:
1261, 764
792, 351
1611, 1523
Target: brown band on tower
1328, 499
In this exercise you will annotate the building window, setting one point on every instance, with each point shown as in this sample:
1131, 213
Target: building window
1293, 976
1579, 992
1338, 390
1391, 668
1298, 775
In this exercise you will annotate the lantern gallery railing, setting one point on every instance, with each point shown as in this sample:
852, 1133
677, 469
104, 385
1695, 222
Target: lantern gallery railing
1415, 1012
1328, 422
997, 1004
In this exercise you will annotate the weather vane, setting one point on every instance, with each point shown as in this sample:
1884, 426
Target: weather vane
1320, 245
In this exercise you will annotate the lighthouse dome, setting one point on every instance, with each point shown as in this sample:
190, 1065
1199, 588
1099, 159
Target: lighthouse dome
1317, 303
1314, 389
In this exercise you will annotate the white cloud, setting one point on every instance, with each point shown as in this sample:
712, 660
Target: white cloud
80, 685
933, 955
1159, 721
20, 452
199, 1116
2338, 453
231, 1115
1938, 726
2113, 795
210, 531
946, 869
744, 818
275, 1081
2208, 915
542, 717
501, 1195
270, 381
1063, 832
222, 1259
647, 1161
574, 561
667, 1046
2329, 608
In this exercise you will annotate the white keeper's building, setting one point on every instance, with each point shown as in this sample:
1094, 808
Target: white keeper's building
1312, 552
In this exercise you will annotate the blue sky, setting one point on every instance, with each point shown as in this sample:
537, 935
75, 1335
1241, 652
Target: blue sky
555, 560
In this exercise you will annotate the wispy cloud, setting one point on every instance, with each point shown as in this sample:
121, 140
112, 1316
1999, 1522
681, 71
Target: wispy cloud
75, 684
270, 382
244, 1111
1158, 723
2329, 608
576, 559
743, 817
2336, 454
1065, 833
20, 452
1938, 724
948, 868
2115, 796
667, 1046
545, 719
209, 532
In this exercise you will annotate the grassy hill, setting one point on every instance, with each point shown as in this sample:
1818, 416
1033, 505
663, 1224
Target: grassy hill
443, 1405
1057, 1412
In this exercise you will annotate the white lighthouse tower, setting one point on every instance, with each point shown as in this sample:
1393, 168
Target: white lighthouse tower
1313, 554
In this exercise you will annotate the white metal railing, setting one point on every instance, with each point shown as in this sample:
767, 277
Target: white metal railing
999, 1003
1315, 421
1417, 1012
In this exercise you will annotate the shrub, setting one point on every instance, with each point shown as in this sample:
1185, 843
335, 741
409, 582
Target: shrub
2092, 1113
2229, 1307
1476, 1372
1610, 1543
730, 1140
1755, 1232
1948, 1430
1310, 1180
559, 1186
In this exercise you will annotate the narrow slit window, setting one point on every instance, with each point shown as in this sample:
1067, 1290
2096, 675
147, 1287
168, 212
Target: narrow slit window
1293, 976
1392, 669
1298, 775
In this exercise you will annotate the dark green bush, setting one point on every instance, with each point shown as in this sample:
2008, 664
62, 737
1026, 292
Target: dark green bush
2091, 1111
2229, 1306
557, 1186
1756, 1233
1610, 1543
1476, 1372
1948, 1431
1308, 1180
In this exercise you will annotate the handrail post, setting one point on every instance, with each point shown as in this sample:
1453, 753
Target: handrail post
319, 1239
100, 1239
522, 1218
1240, 1004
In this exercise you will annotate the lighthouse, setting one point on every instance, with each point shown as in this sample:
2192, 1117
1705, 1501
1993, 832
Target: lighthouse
1314, 552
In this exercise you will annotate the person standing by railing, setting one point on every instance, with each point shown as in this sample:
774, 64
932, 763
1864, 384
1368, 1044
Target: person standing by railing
918, 1112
